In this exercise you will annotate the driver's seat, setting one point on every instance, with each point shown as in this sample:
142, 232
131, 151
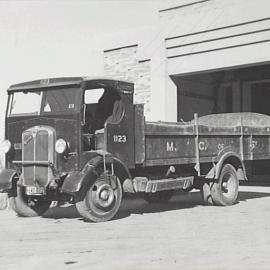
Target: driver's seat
117, 113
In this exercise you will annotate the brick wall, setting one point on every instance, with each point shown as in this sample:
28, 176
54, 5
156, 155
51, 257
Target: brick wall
123, 64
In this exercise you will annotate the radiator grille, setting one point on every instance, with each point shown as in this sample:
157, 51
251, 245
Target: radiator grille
37, 146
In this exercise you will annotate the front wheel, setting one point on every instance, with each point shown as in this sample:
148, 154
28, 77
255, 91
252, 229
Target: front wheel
225, 191
3, 201
102, 200
28, 206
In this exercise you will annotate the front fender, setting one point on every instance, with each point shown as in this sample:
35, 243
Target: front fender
6, 178
74, 180
77, 179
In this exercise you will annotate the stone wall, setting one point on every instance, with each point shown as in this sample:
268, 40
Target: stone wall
123, 64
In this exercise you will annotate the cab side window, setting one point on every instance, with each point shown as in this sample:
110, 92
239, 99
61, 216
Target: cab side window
91, 98
101, 107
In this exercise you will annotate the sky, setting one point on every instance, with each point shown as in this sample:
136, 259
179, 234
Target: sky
52, 38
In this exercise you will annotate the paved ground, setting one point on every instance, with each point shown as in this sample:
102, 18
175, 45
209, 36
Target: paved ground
181, 234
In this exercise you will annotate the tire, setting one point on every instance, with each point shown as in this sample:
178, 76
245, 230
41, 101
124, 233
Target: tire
102, 200
160, 196
26, 206
206, 194
3, 201
225, 191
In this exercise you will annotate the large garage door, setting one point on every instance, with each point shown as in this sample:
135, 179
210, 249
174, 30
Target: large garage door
243, 89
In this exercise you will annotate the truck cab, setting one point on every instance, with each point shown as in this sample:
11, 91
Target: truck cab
57, 131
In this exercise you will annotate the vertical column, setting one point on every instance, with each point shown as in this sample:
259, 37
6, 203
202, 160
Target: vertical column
236, 96
163, 90
158, 83
221, 97
246, 97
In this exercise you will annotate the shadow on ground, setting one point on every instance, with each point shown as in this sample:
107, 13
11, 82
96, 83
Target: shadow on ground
247, 195
58, 212
133, 204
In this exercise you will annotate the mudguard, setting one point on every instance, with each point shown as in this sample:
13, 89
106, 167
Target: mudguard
6, 177
74, 180
77, 179
228, 157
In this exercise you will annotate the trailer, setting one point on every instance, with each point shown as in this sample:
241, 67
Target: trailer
83, 140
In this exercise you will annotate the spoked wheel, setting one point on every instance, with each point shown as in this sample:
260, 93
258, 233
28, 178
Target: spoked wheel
28, 206
102, 200
160, 196
225, 191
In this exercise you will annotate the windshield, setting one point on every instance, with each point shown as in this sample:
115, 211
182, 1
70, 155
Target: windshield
44, 102
67, 100
25, 103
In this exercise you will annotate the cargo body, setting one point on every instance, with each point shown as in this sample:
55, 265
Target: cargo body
84, 141
205, 140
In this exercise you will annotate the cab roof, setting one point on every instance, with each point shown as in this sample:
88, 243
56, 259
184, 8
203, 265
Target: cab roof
84, 82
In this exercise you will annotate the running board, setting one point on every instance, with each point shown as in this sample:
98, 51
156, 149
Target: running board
142, 184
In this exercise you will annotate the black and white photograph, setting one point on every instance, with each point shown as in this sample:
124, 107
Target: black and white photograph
134, 134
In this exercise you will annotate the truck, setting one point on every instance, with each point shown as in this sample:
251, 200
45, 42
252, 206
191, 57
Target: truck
84, 141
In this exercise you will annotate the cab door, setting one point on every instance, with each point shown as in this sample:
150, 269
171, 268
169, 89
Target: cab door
119, 133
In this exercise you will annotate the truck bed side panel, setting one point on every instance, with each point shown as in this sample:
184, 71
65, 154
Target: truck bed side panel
167, 143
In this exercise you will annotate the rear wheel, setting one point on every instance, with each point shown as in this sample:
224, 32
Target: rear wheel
159, 196
28, 206
225, 191
102, 200
206, 193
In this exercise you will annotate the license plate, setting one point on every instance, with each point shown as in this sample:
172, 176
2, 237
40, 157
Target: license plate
34, 190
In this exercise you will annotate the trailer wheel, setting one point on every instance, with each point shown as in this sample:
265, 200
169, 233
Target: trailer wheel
160, 196
206, 193
225, 191
102, 199
28, 206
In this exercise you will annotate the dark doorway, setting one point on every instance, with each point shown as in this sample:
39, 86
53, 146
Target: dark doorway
241, 89
260, 98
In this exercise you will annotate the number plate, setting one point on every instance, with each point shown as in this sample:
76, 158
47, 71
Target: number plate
34, 190
120, 138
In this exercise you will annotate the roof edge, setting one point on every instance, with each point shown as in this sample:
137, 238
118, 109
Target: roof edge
183, 6
64, 81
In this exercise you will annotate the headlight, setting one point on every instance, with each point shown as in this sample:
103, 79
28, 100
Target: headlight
5, 146
61, 146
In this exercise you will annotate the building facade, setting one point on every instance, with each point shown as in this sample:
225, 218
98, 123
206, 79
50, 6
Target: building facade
208, 56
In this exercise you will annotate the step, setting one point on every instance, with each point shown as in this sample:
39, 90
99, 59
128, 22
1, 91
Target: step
143, 184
